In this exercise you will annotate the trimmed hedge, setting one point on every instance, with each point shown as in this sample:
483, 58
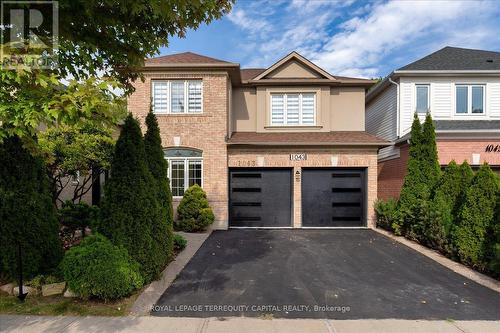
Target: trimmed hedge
194, 213
27, 214
97, 268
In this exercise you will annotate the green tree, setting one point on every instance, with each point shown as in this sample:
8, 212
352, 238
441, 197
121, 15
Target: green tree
473, 236
415, 186
70, 151
429, 156
159, 169
447, 200
111, 38
130, 208
30, 98
27, 215
194, 213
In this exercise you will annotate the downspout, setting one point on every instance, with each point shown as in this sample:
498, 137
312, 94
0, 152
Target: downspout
397, 106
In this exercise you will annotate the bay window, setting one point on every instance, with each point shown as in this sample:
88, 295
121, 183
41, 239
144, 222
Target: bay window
469, 99
177, 96
293, 109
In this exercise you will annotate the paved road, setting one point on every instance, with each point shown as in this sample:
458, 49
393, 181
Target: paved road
336, 274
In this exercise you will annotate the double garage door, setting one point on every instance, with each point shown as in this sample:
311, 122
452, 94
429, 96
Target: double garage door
331, 197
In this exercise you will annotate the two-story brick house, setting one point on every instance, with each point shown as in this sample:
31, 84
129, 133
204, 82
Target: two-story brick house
283, 146
461, 90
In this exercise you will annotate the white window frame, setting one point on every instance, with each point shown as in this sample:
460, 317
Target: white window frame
285, 112
169, 97
186, 171
469, 87
428, 86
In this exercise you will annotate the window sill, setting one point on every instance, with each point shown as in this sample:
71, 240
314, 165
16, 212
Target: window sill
182, 114
278, 127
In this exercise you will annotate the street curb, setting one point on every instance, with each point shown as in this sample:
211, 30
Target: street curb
142, 306
457, 267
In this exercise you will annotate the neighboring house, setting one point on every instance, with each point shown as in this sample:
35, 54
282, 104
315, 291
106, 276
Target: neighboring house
283, 146
460, 88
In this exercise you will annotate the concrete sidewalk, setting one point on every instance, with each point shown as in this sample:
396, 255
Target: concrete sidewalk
38, 324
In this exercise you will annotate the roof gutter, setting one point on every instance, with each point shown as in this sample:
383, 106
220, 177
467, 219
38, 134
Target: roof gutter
397, 104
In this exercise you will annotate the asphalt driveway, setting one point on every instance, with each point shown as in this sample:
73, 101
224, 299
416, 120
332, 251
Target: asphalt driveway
338, 274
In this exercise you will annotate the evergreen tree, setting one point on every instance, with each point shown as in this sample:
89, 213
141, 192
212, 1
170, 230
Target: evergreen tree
159, 169
474, 234
27, 215
130, 209
447, 200
428, 153
415, 186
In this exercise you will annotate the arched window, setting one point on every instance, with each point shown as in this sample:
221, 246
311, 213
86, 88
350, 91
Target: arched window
185, 168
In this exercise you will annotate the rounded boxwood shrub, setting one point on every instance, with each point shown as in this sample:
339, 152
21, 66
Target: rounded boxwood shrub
179, 243
193, 212
97, 268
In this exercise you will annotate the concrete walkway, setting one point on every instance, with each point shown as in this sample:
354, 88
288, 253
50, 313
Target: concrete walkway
35, 324
152, 293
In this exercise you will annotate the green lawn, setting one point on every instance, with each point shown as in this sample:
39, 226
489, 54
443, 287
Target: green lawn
59, 305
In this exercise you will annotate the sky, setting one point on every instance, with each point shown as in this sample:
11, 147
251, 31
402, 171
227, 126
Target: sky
345, 37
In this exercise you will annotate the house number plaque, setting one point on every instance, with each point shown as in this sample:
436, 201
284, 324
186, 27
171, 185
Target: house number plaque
298, 157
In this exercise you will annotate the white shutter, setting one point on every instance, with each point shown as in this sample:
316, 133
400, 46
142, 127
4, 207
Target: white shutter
160, 96
292, 109
194, 97
308, 101
277, 109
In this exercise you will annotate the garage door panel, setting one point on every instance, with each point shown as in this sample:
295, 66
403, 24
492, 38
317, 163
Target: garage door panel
260, 197
333, 197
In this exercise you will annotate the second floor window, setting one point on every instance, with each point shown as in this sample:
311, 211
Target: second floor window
293, 109
177, 96
469, 99
422, 104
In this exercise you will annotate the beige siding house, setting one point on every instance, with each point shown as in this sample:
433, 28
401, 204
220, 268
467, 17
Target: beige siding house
277, 147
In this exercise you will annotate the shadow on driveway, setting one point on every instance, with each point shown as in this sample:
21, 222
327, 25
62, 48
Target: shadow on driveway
337, 274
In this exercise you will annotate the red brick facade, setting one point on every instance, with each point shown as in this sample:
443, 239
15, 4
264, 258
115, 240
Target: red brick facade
391, 172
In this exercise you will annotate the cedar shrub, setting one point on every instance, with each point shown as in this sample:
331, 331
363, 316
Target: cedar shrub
473, 236
130, 211
163, 230
27, 214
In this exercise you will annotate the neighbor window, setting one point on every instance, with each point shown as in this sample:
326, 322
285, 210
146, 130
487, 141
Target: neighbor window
469, 99
177, 96
185, 168
293, 109
422, 105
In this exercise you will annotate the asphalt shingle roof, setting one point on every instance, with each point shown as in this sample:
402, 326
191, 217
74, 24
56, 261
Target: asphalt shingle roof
184, 58
297, 138
454, 58
466, 125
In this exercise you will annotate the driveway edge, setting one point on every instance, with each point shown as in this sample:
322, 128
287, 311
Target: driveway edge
142, 306
457, 267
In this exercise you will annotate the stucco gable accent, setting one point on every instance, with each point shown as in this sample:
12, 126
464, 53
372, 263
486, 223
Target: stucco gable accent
294, 64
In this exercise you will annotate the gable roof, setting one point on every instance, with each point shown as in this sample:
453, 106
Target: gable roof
184, 58
456, 59
294, 55
250, 73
